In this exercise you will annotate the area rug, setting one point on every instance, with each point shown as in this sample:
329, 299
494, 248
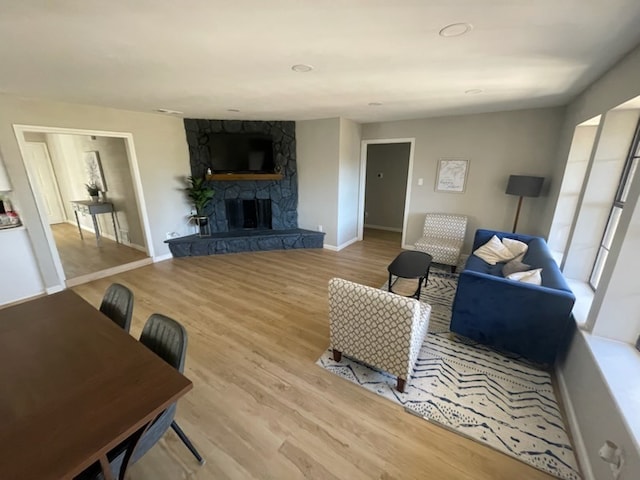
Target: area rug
494, 398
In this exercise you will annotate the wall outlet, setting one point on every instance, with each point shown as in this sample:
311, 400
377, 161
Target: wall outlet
192, 213
420, 182
170, 235
320, 228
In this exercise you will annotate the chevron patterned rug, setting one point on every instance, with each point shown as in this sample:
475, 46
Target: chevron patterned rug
497, 399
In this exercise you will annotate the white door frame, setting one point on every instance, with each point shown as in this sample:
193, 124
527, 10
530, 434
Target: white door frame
363, 181
20, 130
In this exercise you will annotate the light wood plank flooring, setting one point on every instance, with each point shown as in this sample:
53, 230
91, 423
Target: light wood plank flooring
260, 407
81, 257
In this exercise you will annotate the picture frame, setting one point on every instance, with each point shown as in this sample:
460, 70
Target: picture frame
451, 175
93, 166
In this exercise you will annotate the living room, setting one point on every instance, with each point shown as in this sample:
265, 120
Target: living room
498, 139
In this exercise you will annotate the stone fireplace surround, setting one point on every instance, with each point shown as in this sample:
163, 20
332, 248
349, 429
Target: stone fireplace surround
284, 233
282, 193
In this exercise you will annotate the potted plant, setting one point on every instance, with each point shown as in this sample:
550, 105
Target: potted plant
201, 195
93, 190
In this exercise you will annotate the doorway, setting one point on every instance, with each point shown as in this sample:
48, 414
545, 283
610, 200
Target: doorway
89, 238
386, 167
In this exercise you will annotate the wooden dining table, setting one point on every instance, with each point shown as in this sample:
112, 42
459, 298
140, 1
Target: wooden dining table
73, 385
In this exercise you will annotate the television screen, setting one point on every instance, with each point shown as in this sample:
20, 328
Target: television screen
240, 152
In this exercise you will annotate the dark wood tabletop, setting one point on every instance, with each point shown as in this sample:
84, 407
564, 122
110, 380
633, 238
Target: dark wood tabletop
72, 386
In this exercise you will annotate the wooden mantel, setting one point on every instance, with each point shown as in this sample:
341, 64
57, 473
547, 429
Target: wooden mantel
244, 176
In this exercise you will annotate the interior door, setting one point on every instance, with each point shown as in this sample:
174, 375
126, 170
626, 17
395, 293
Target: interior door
45, 177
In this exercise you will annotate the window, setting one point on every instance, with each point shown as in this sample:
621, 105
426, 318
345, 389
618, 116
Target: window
629, 170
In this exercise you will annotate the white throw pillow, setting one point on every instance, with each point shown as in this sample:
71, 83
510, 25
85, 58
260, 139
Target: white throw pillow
532, 276
494, 251
515, 246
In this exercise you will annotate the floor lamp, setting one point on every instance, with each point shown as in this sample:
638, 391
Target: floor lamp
523, 186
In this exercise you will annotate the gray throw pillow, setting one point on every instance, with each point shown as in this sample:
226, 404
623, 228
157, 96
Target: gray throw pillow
514, 266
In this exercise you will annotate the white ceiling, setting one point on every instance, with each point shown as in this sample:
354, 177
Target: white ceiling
203, 57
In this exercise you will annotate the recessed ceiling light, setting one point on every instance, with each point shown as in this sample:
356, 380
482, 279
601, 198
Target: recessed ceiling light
374, 104
301, 68
473, 91
455, 29
234, 110
168, 111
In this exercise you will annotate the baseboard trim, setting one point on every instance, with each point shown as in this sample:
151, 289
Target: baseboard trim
90, 277
574, 427
55, 289
408, 247
340, 247
381, 227
162, 258
13, 303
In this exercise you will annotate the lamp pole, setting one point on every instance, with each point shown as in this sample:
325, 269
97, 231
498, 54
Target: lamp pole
515, 222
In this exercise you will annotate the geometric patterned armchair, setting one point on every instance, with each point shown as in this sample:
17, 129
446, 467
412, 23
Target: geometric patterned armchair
442, 238
379, 328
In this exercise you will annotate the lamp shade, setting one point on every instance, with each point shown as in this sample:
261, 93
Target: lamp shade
524, 185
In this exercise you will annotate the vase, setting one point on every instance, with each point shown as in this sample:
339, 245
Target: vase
203, 226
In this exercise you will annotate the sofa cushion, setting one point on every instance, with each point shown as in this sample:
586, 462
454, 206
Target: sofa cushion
494, 251
514, 266
516, 247
533, 277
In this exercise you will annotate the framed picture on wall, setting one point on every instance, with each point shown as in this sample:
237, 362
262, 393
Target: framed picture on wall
451, 176
95, 173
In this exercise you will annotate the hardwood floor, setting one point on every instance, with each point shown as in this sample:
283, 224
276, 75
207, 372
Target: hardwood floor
260, 407
81, 257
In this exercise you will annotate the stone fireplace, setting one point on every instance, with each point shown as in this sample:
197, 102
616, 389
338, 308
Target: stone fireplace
282, 194
248, 212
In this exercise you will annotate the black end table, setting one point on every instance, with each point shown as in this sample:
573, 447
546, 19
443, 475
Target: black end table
411, 264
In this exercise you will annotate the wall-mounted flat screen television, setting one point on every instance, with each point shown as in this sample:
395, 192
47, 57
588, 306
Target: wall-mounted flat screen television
241, 153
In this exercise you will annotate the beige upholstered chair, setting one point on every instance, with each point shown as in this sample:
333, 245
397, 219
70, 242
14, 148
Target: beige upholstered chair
379, 328
442, 238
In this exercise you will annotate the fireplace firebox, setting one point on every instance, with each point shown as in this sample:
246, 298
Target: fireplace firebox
252, 214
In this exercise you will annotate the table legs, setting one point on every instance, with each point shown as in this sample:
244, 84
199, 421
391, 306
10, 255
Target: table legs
115, 230
96, 228
78, 223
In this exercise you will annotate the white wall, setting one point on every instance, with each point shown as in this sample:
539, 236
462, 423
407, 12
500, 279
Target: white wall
385, 197
161, 149
596, 411
497, 145
348, 181
317, 153
593, 408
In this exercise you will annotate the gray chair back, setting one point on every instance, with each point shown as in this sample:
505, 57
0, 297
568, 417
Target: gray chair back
117, 304
167, 339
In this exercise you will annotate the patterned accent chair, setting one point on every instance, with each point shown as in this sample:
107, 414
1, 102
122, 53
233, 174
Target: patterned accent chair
379, 328
442, 238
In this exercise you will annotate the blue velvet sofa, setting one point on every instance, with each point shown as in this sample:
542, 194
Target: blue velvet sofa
522, 318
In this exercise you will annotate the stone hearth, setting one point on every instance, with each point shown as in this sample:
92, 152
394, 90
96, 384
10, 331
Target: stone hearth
245, 241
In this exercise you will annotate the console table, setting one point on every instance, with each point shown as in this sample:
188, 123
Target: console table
93, 209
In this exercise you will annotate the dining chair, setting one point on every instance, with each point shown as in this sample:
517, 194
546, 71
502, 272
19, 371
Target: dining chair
168, 339
117, 304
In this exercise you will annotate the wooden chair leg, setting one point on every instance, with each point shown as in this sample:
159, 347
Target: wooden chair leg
337, 355
401, 384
